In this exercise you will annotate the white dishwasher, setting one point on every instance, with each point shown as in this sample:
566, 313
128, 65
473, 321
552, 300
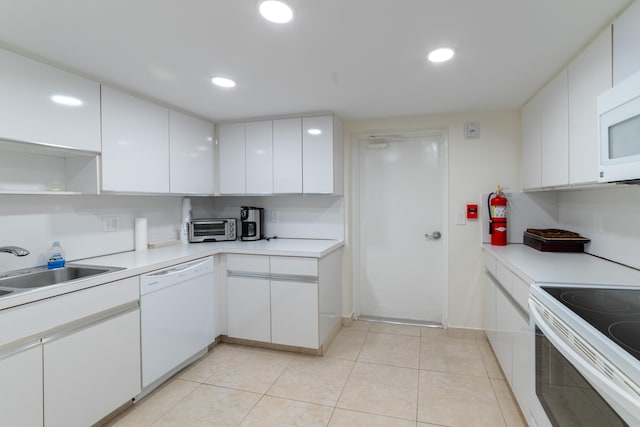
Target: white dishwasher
176, 319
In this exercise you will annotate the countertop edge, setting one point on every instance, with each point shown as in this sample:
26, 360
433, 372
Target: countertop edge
534, 266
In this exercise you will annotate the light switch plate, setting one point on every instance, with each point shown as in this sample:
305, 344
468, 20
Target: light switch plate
471, 130
460, 218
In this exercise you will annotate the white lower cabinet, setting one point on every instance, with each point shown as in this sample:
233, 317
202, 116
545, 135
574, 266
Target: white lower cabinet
91, 372
248, 305
275, 299
503, 345
72, 359
490, 321
507, 327
21, 388
293, 319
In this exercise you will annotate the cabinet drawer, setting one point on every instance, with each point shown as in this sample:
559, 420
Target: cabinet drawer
490, 263
506, 277
38, 317
297, 266
250, 263
520, 293
517, 288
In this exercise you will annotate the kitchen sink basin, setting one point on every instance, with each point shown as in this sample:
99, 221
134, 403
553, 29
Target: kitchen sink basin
40, 277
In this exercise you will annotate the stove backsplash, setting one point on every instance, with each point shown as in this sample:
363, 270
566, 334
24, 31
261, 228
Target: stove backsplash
609, 216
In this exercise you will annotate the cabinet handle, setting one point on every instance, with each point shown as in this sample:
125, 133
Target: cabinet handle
19, 348
87, 322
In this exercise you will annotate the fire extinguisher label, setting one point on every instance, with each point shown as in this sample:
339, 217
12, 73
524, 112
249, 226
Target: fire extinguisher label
501, 229
499, 211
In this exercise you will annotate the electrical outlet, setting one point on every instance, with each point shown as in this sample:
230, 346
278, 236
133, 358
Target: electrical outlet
110, 223
275, 216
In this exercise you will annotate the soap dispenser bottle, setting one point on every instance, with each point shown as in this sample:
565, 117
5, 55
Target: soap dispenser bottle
55, 256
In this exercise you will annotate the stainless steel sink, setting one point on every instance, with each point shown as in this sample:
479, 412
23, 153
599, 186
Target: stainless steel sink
40, 277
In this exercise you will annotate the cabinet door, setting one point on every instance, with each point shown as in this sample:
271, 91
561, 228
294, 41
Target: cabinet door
287, 156
191, 155
21, 390
317, 155
589, 76
89, 373
522, 354
554, 136
504, 340
33, 108
294, 313
248, 305
135, 144
259, 157
626, 39
231, 165
531, 159
490, 309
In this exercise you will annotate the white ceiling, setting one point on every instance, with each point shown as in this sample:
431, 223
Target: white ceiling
358, 58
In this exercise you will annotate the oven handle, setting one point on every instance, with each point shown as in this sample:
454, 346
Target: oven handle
622, 398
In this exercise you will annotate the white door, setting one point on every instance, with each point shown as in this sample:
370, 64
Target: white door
401, 190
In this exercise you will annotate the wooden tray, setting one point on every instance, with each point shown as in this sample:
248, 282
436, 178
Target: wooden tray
554, 240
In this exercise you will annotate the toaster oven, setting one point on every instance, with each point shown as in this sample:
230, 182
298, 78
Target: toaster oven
212, 230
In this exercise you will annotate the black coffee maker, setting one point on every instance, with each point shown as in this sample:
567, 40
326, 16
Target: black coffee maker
252, 220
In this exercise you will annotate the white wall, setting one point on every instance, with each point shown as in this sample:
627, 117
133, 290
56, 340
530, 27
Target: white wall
476, 166
34, 222
303, 217
609, 216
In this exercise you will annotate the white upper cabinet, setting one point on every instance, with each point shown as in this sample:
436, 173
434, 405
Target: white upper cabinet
231, 157
283, 156
559, 124
626, 39
190, 155
531, 159
589, 76
135, 144
554, 132
321, 155
259, 157
44, 105
287, 156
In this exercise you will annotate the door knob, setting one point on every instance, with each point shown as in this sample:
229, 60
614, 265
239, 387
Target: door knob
435, 235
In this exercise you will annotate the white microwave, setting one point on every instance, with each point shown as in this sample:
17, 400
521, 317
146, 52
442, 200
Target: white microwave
619, 132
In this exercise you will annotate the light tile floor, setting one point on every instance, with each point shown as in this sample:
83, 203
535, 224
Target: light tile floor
374, 374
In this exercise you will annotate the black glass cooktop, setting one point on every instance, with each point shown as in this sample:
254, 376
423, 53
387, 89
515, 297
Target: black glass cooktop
614, 312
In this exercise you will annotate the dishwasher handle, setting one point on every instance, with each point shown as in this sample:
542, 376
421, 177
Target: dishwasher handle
175, 274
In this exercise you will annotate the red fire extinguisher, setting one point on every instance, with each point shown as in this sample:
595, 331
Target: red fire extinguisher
498, 218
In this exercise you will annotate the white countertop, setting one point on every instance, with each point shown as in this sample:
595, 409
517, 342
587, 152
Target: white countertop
558, 267
140, 262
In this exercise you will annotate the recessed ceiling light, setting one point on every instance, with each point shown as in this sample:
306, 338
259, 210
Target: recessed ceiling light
69, 101
276, 11
223, 82
314, 131
441, 55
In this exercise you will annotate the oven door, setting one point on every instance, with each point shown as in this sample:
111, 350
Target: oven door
574, 385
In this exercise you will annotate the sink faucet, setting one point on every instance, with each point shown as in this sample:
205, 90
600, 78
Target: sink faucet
17, 251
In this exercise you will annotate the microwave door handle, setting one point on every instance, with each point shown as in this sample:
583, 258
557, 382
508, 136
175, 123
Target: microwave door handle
603, 384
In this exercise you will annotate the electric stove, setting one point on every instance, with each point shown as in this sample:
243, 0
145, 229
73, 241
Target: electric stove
613, 312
